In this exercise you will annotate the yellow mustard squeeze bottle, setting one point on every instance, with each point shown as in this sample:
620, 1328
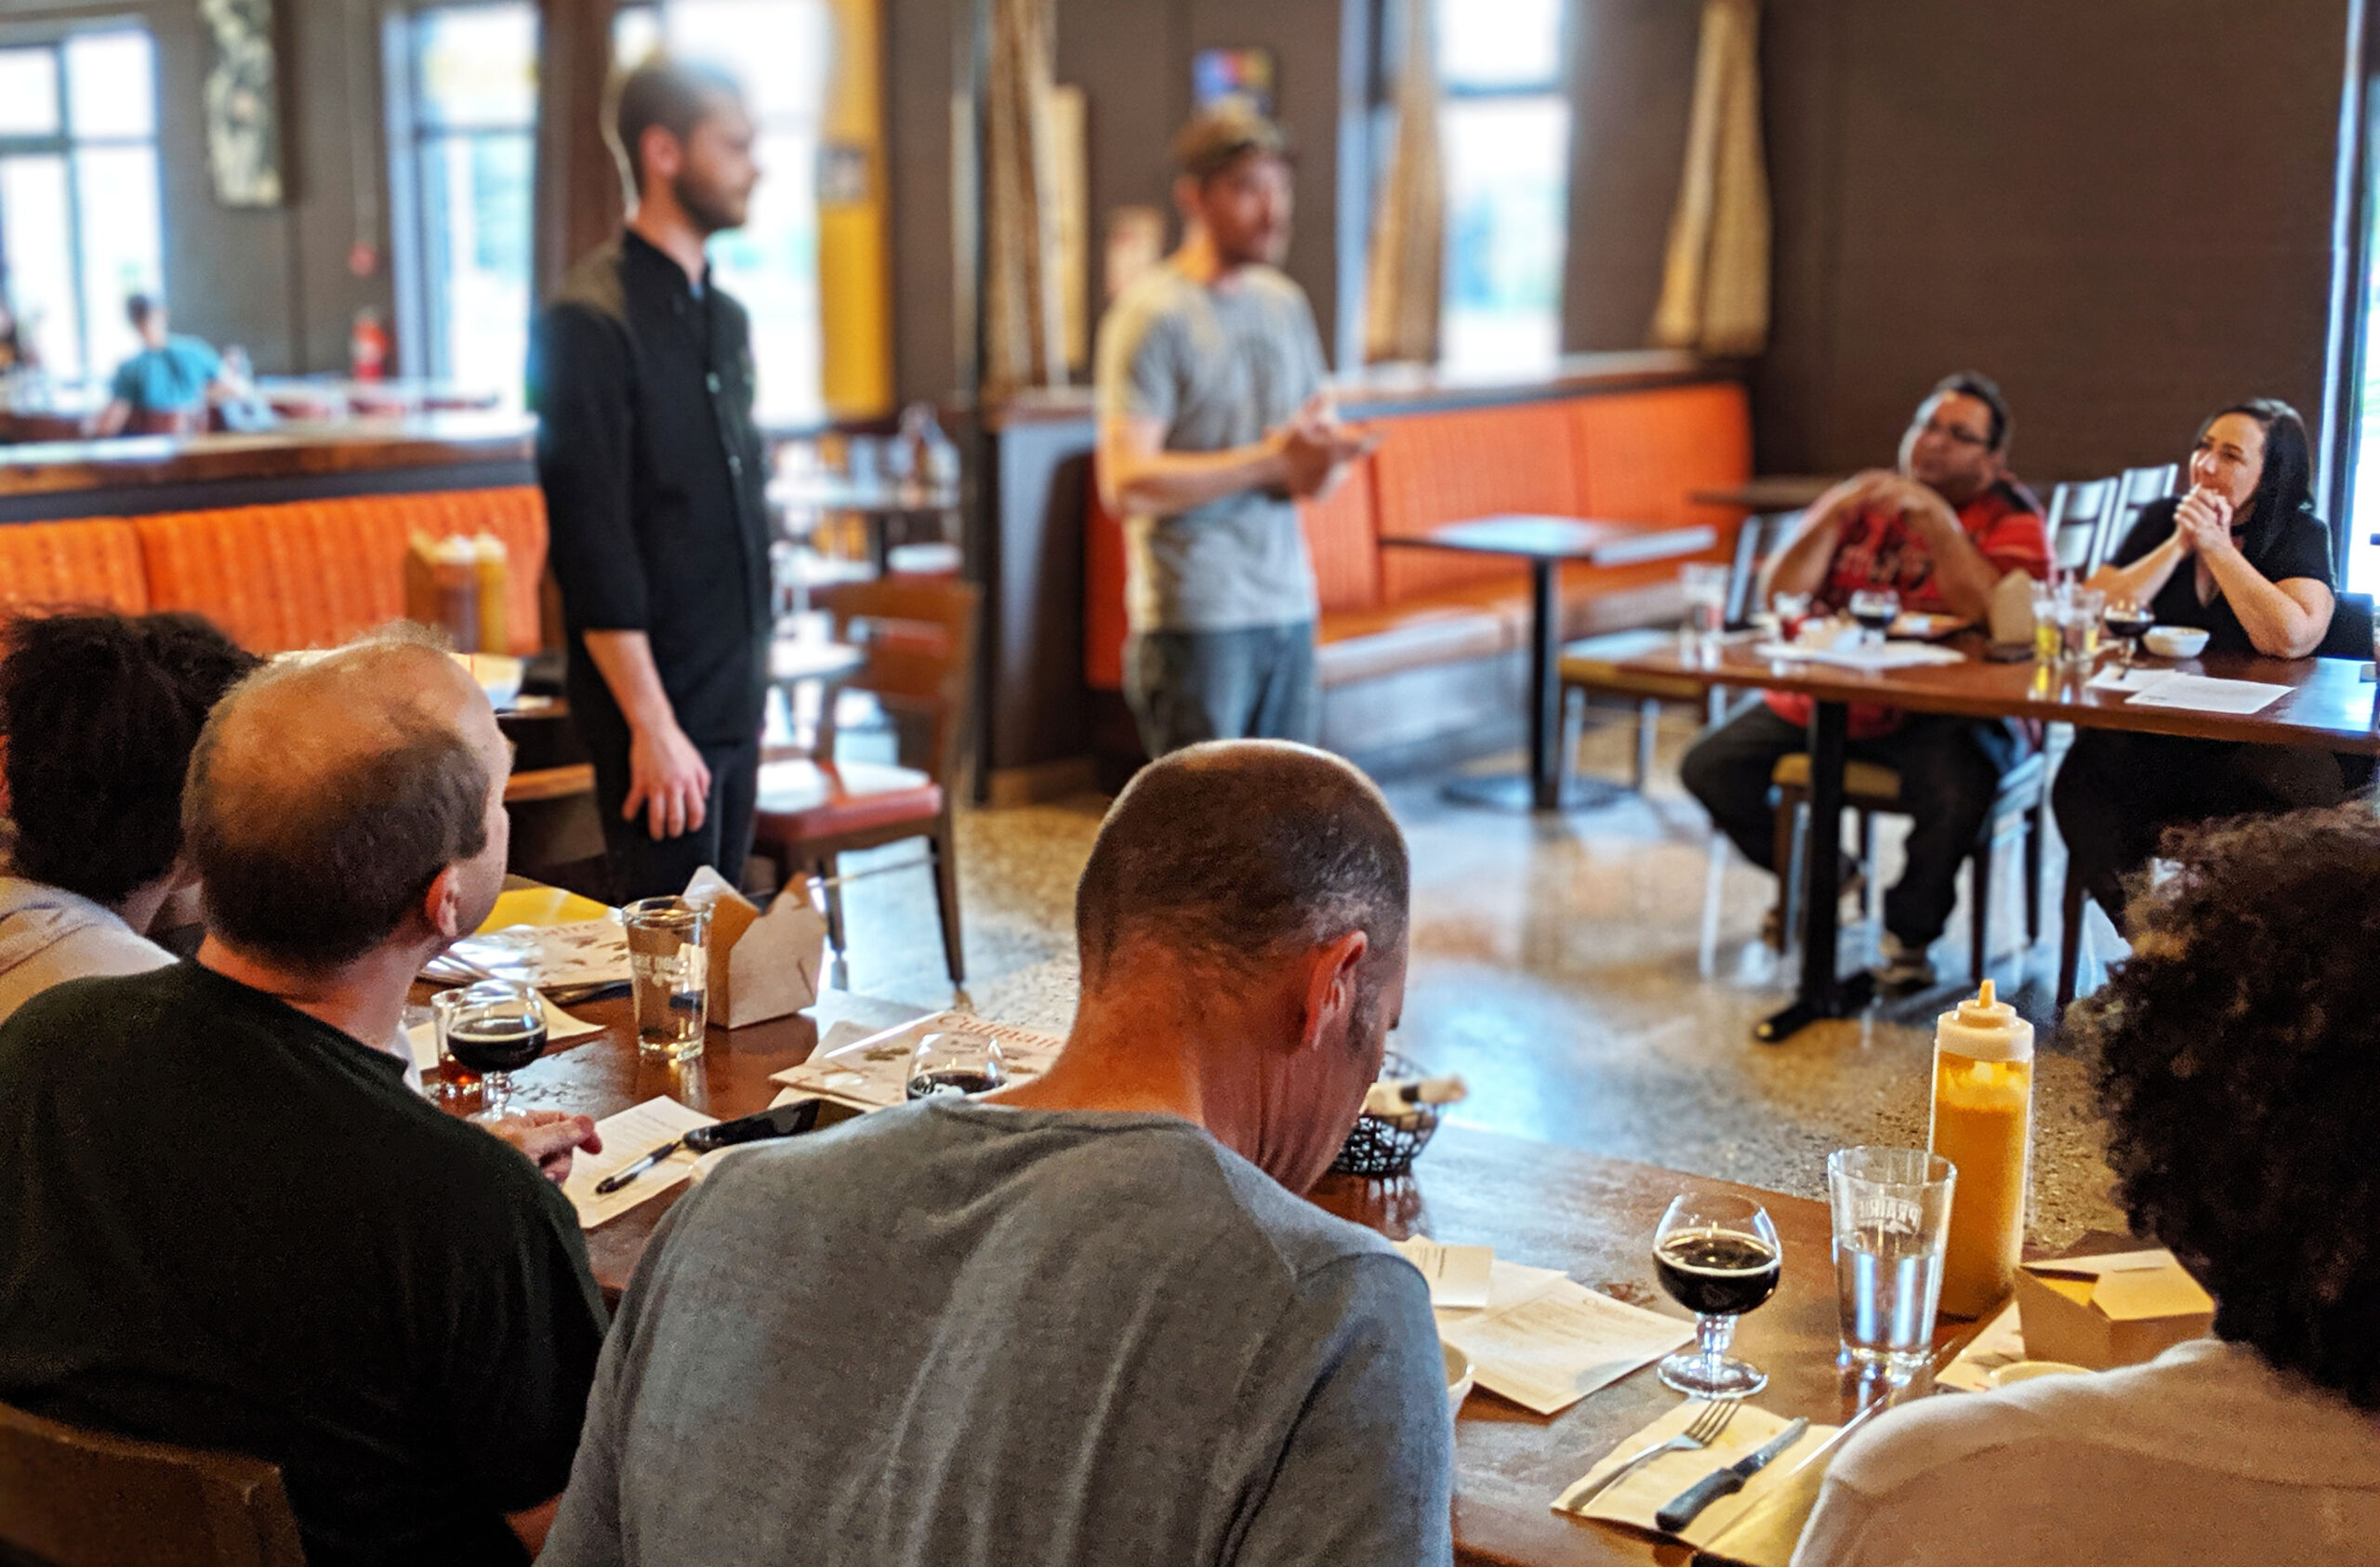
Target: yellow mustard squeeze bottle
1983, 1123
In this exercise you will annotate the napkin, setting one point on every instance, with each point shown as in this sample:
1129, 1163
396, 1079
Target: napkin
1634, 1500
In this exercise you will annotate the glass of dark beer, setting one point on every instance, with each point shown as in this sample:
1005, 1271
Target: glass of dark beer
954, 1062
494, 1028
1718, 1257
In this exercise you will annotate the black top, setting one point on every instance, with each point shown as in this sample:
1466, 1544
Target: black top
226, 1225
2300, 547
654, 481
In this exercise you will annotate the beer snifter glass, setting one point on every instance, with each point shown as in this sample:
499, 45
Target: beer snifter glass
1718, 1255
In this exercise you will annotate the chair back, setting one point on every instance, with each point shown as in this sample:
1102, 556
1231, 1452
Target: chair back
77, 1498
2136, 488
920, 636
2351, 632
1758, 538
2079, 511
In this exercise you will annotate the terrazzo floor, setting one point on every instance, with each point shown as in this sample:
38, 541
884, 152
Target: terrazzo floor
1594, 978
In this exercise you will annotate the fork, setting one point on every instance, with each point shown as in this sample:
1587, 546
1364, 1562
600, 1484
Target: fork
1705, 1430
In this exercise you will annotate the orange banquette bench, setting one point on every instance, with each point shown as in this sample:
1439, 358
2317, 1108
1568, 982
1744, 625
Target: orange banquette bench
1390, 609
294, 575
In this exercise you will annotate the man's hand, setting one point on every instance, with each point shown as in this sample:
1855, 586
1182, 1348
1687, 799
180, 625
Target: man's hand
548, 1139
2203, 522
1313, 446
1920, 504
667, 773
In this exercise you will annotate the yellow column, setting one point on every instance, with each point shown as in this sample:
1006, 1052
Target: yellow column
854, 280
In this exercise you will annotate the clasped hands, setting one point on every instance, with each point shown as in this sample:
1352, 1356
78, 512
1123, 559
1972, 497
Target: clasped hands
1882, 487
1313, 446
2203, 522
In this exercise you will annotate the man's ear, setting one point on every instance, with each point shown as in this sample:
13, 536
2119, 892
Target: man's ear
1330, 986
441, 906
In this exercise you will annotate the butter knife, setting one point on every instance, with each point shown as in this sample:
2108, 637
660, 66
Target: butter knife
1688, 1504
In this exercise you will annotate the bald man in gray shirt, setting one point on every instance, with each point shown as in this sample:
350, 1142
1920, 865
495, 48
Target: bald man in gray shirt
1213, 422
1086, 1320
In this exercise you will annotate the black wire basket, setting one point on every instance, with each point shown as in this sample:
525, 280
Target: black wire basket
1382, 1147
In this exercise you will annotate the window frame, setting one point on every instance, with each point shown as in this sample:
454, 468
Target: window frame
62, 143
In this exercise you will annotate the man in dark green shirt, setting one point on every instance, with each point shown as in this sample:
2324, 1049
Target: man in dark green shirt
225, 1222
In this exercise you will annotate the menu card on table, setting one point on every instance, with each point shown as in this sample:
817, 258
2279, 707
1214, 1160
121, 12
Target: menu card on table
627, 1137
566, 961
1545, 1342
873, 1074
1635, 1500
2205, 694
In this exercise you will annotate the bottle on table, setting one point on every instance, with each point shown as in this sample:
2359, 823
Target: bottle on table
1983, 1122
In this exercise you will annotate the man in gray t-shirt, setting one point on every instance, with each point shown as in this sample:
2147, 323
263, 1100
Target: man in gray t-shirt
1212, 422
1086, 1320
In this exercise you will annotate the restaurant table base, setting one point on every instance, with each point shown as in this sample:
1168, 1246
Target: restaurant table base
1541, 788
1825, 990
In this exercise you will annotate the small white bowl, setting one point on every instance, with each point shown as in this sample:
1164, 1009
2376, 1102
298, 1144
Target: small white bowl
1459, 1376
2026, 1371
2176, 641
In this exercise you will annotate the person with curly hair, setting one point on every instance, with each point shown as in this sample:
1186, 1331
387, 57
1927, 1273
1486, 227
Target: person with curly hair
2238, 1067
99, 713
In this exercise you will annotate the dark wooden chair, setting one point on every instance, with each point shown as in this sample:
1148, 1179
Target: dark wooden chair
920, 636
1592, 665
77, 1498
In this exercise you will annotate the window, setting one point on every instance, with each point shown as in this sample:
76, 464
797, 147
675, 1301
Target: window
79, 225
470, 98
778, 50
1505, 133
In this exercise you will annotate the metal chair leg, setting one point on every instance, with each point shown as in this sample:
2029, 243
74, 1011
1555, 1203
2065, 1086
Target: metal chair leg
827, 876
946, 898
2070, 939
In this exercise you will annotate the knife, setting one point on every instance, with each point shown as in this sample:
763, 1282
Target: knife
1688, 1504
781, 1122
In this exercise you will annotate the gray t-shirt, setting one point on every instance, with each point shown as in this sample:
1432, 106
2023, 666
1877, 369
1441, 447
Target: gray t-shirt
956, 1334
1220, 367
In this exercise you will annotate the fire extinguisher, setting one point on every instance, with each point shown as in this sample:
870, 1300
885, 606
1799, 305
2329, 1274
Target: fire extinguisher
367, 347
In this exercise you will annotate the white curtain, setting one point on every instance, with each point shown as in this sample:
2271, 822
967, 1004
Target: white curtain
1405, 277
1023, 304
1715, 285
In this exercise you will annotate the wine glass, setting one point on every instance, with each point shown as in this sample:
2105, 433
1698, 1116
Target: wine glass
1875, 609
1718, 1257
495, 1028
2127, 621
952, 1061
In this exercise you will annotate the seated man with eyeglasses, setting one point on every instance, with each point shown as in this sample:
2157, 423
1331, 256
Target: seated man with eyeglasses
1940, 531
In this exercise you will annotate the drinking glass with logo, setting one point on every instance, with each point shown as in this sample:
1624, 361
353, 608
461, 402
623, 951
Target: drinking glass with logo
1718, 1257
952, 1061
494, 1028
1875, 609
668, 974
1892, 1219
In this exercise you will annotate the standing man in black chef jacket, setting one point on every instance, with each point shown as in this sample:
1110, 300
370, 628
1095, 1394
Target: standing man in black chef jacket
653, 477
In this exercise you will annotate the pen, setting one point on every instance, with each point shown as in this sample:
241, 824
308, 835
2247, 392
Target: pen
627, 1173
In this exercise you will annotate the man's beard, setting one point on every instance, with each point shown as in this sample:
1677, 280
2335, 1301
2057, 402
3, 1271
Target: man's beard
710, 210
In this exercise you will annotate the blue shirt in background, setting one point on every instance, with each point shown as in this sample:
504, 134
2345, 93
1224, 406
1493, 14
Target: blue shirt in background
169, 380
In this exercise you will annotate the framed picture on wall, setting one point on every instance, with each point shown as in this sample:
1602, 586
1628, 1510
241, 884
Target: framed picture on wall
1252, 74
242, 102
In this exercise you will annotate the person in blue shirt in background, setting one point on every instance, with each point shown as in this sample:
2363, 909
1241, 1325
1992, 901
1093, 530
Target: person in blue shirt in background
167, 386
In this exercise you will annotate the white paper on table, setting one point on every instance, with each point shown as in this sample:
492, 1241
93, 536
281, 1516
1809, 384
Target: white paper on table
2206, 693
627, 1137
1999, 1342
560, 1024
1458, 1275
1890, 655
1635, 1500
1560, 1343
2116, 677
873, 1072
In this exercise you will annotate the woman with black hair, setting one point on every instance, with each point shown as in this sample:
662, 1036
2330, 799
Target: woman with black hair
2244, 556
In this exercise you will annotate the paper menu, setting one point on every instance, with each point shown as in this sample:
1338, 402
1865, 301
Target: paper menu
585, 956
1550, 1342
627, 1137
1458, 1275
2205, 694
2115, 678
1634, 1500
873, 1072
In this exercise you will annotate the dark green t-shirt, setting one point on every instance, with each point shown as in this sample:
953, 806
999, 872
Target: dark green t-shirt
227, 1225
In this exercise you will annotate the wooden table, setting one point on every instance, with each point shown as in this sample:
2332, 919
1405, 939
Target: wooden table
1547, 1207
2329, 707
1769, 493
876, 502
1546, 543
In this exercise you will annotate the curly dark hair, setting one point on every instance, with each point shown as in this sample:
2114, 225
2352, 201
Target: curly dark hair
2240, 1066
99, 713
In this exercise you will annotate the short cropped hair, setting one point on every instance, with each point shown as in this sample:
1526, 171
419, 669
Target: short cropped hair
1984, 389
1235, 851
100, 713
2240, 1068
315, 871
675, 95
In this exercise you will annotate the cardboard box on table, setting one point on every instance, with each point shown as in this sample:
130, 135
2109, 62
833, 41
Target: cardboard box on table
762, 966
2105, 1311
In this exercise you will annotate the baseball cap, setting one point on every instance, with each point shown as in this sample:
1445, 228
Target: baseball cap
1224, 133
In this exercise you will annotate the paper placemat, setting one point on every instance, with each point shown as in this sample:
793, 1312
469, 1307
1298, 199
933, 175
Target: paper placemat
627, 1137
2206, 693
1637, 1499
873, 1072
1891, 655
